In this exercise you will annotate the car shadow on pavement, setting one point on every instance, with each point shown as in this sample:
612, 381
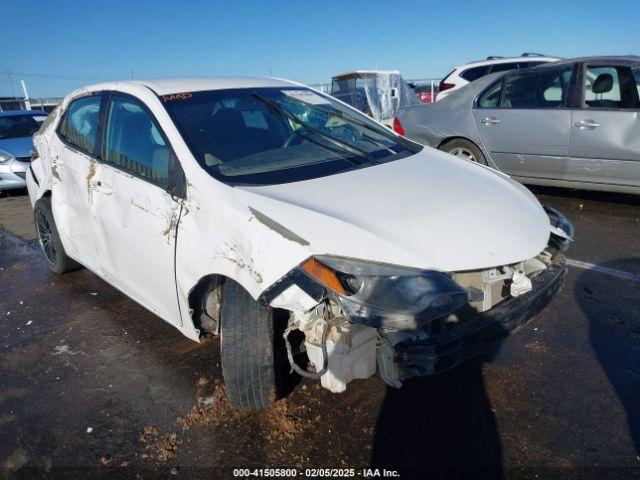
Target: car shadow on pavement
586, 195
442, 423
612, 307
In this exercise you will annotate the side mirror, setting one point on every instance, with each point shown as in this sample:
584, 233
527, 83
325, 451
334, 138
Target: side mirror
176, 187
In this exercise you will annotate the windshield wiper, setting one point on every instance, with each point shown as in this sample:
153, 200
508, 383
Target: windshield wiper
354, 120
277, 107
338, 152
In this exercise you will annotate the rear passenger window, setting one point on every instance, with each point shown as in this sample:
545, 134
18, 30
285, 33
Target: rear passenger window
491, 97
474, 73
133, 141
553, 86
520, 91
541, 89
80, 124
503, 67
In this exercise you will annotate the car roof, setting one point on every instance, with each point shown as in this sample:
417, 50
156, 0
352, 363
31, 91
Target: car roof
165, 86
366, 72
471, 89
601, 59
570, 61
19, 113
494, 61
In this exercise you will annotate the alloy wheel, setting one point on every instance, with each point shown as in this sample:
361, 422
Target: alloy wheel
464, 153
45, 236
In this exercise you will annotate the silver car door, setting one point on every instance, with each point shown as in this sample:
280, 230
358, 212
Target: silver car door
527, 131
135, 213
605, 133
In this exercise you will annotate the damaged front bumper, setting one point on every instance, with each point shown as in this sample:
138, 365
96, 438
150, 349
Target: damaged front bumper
358, 317
428, 353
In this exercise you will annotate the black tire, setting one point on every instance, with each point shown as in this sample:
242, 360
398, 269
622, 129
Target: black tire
460, 145
50, 243
247, 349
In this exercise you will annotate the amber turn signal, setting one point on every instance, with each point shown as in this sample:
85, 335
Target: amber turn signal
324, 275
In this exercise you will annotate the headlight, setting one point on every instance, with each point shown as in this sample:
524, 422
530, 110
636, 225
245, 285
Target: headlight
562, 230
386, 295
5, 157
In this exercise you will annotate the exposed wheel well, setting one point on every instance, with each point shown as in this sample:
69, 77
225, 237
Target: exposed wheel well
484, 158
450, 139
205, 304
47, 193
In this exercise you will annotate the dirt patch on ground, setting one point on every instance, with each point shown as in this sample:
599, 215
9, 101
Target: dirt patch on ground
537, 347
156, 447
285, 424
212, 406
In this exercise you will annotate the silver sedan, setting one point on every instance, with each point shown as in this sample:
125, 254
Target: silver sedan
574, 123
16, 129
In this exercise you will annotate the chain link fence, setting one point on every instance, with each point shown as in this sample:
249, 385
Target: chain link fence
425, 88
46, 104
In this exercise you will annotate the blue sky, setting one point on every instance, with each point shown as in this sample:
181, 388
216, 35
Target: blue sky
89, 41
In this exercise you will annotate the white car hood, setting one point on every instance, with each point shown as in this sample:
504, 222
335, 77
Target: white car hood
430, 210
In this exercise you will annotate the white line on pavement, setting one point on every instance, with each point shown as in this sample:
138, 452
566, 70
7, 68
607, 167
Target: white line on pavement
608, 271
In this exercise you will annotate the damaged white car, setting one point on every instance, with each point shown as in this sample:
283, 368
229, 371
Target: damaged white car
229, 205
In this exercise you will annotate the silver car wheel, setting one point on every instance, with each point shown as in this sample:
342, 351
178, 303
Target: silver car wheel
45, 236
464, 153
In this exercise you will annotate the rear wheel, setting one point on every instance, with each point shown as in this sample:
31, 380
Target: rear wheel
54, 254
464, 149
247, 348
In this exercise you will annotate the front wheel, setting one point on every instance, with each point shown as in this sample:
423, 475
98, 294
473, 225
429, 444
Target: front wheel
464, 149
49, 239
247, 349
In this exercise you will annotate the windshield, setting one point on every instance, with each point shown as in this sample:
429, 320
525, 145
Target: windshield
267, 136
18, 126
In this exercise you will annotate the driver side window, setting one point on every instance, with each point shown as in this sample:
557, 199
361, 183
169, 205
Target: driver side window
611, 87
133, 141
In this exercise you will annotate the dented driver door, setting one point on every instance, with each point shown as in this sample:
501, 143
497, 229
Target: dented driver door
135, 217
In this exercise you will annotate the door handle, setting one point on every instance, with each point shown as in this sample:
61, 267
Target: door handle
489, 120
101, 187
586, 124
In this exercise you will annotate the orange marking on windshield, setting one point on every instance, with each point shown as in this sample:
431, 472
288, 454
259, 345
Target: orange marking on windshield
177, 96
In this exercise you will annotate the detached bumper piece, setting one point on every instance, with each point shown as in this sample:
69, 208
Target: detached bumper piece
459, 341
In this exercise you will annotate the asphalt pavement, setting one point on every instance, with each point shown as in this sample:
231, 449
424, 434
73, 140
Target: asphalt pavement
94, 385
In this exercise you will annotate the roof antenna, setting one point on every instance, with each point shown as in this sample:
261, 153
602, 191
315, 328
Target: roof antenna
270, 72
132, 74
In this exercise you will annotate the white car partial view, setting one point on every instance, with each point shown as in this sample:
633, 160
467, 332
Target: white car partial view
250, 208
464, 74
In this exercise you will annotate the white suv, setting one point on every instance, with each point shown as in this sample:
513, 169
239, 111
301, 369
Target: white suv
471, 71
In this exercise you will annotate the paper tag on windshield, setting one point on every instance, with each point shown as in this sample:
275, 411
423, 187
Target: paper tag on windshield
306, 96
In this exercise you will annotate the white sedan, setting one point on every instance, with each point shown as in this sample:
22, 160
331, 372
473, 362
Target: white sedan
249, 208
